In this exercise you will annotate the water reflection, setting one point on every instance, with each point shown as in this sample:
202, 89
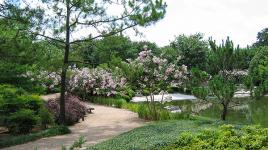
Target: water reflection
243, 111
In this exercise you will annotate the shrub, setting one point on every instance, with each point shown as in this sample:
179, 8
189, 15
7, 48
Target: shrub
19, 111
22, 121
225, 137
14, 99
32, 102
75, 109
200, 92
126, 93
46, 118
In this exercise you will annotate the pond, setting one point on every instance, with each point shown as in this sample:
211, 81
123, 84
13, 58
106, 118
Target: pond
241, 111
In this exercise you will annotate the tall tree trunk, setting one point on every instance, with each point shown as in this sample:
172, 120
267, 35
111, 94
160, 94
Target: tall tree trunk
224, 111
65, 65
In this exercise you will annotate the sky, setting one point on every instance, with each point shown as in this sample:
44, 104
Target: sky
239, 19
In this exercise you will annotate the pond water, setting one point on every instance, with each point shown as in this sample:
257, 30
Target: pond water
241, 111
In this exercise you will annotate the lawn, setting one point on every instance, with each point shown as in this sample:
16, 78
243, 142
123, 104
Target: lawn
155, 135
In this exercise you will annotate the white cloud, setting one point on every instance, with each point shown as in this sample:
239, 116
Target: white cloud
239, 19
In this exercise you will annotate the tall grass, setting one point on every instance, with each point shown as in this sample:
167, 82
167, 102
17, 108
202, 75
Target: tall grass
108, 101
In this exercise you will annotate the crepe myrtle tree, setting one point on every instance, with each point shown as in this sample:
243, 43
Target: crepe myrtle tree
64, 19
156, 75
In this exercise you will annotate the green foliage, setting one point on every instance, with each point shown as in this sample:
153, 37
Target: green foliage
225, 137
156, 135
258, 72
109, 101
143, 112
192, 49
104, 51
78, 143
20, 139
46, 118
18, 111
22, 121
222, 88
259, 66
126, 93
221, 58
198, 77
164, 115
262, 38
200, 92
131, 106
243, 56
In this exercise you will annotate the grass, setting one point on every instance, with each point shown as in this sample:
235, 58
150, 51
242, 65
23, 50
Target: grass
154, 136
20, 139
108, 101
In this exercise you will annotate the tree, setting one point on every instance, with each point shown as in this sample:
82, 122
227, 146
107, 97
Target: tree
192, 49
63, 18
262, 38
220, 87
258, 72
221, 58
224, 90
155, 75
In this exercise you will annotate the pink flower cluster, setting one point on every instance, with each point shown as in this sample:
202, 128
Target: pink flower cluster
157, 71
96, 81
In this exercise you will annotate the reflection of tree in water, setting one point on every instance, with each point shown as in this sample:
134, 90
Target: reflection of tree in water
258, 111
200, 106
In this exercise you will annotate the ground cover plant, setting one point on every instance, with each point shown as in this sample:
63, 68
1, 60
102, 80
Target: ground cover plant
153, 136
15, 140
189, 134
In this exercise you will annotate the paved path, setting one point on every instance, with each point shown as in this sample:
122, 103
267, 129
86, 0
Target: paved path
104, 123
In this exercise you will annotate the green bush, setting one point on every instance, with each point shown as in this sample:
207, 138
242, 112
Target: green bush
46, 118
225, 137
17, 108
14, 99
22, 121
32, 102
126, 93
200, 92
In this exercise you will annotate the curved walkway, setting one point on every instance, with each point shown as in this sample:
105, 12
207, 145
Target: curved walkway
104, 123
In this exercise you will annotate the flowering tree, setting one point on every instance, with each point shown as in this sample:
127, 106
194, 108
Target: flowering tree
156, 75
46, 79
96, 81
